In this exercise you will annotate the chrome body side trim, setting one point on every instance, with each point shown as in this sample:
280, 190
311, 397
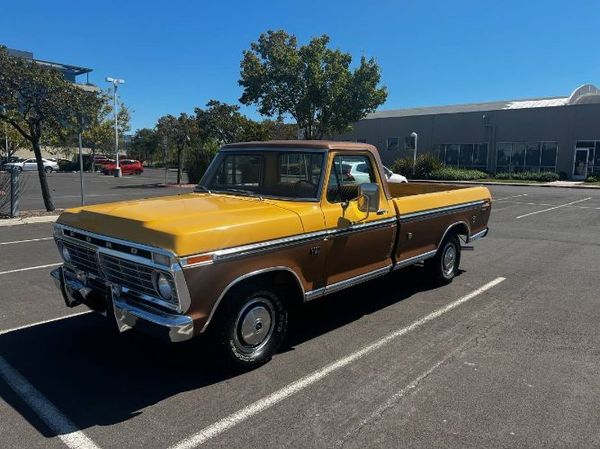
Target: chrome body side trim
415, 259
270, 245
478, 235
439, 211
246, 276
346, 283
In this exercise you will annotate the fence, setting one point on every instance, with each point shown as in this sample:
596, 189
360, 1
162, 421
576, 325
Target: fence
12, 187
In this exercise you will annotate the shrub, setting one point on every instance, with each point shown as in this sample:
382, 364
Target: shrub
426, 164
592, 178
544, 176
457, 174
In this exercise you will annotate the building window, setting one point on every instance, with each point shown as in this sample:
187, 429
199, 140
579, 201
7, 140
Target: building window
593, 147
393, 143
531, 156
464, 155
361, 140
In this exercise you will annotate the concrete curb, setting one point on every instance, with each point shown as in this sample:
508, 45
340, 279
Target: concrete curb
28, 220
519, 184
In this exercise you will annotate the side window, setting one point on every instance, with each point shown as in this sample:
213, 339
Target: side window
347, 173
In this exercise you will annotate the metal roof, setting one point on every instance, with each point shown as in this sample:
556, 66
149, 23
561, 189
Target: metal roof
586, 93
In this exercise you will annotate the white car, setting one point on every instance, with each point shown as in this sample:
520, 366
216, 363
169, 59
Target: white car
393, 177
31, 165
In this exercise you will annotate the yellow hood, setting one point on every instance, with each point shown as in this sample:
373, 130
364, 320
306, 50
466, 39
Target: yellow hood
187, 224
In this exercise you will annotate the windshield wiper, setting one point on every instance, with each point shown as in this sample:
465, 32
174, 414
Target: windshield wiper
200, 188
242, 192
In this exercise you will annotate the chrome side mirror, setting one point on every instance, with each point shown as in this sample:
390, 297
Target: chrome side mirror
368, 197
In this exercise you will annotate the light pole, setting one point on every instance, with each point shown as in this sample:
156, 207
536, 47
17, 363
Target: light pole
416, 137
115, 82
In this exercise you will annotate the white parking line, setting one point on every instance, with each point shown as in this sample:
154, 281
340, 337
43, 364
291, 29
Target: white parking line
508, 197
554, 208
62, 426
30, 268
268, 401
26, 241
39, 323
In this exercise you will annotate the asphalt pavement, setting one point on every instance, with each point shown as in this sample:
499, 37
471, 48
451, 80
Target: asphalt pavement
505, 356
98, 188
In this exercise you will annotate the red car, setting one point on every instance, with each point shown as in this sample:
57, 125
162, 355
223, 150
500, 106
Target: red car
128, 167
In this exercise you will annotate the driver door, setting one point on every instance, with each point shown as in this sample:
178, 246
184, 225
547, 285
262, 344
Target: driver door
359, 243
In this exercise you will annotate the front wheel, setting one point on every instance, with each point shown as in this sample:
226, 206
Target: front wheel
48, 169
444, 266
252, 326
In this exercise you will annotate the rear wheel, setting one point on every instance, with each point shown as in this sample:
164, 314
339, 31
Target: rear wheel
444, 266
251, 326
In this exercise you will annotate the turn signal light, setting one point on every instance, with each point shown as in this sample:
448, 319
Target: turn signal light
196, 260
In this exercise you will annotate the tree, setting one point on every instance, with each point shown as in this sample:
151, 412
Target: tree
37, 102
178, 132
10, 141
312, 83
145, 144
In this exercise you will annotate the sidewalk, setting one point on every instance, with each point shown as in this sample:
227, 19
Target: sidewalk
28, 220
558, 184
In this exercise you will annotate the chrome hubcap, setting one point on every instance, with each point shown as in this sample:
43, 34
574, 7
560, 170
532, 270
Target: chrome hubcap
449, 260
255, 323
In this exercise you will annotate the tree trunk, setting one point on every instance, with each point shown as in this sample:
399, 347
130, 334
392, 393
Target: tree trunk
42, 175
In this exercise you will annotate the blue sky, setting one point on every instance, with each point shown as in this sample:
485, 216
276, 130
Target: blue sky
176, 55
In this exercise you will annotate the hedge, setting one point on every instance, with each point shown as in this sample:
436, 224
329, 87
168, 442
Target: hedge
458, 174
544, 176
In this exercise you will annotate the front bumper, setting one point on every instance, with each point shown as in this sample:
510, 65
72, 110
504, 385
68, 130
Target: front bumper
127, 313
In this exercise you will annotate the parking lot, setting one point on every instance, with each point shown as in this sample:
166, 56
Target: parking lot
98, 188
505, 356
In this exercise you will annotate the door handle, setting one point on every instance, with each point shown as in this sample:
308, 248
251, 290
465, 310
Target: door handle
381, 212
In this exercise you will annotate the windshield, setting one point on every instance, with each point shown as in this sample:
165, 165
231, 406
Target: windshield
289, 174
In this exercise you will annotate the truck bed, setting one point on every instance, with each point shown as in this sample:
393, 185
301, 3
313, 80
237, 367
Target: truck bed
426, 211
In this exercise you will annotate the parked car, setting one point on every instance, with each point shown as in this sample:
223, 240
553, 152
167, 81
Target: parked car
31, 165
10, 160
393, 177
128, 167
253, 242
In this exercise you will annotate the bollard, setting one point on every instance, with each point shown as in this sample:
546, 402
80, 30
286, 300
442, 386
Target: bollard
14, 192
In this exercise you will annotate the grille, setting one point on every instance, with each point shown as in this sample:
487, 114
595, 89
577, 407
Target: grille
83, 258
132, 275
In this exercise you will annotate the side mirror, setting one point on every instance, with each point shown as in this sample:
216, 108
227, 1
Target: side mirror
368, 197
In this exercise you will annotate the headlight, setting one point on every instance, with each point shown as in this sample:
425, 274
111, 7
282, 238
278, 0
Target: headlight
64, 251
163, 286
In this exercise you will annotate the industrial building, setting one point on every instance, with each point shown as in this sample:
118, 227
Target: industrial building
560, 134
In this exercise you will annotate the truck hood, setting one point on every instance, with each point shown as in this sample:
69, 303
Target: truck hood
187, 224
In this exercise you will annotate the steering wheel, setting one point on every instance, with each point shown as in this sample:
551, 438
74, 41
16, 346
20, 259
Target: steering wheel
305, 181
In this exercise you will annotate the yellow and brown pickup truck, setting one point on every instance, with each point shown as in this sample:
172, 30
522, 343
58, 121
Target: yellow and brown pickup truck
270, 225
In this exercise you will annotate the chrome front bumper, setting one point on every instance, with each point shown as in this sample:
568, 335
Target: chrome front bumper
127, 313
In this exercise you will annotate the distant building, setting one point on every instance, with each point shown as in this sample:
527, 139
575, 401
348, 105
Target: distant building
554, 133
70, 72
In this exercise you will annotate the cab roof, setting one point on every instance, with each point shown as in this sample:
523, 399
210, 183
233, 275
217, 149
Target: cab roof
312, 144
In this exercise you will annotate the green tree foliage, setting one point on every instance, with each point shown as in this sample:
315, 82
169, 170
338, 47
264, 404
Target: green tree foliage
146, 145
178, 132
38, 102
312, 83
11, 140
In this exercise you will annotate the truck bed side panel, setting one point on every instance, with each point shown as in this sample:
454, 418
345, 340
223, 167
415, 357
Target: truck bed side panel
425, 218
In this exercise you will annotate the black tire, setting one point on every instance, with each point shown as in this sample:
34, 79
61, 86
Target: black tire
251, 326
444, 266
48, 169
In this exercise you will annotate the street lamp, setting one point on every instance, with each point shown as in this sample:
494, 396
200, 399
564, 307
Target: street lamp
115, 82
416, 137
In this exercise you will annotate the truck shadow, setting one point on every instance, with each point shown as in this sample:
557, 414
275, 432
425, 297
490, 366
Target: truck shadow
99, 378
